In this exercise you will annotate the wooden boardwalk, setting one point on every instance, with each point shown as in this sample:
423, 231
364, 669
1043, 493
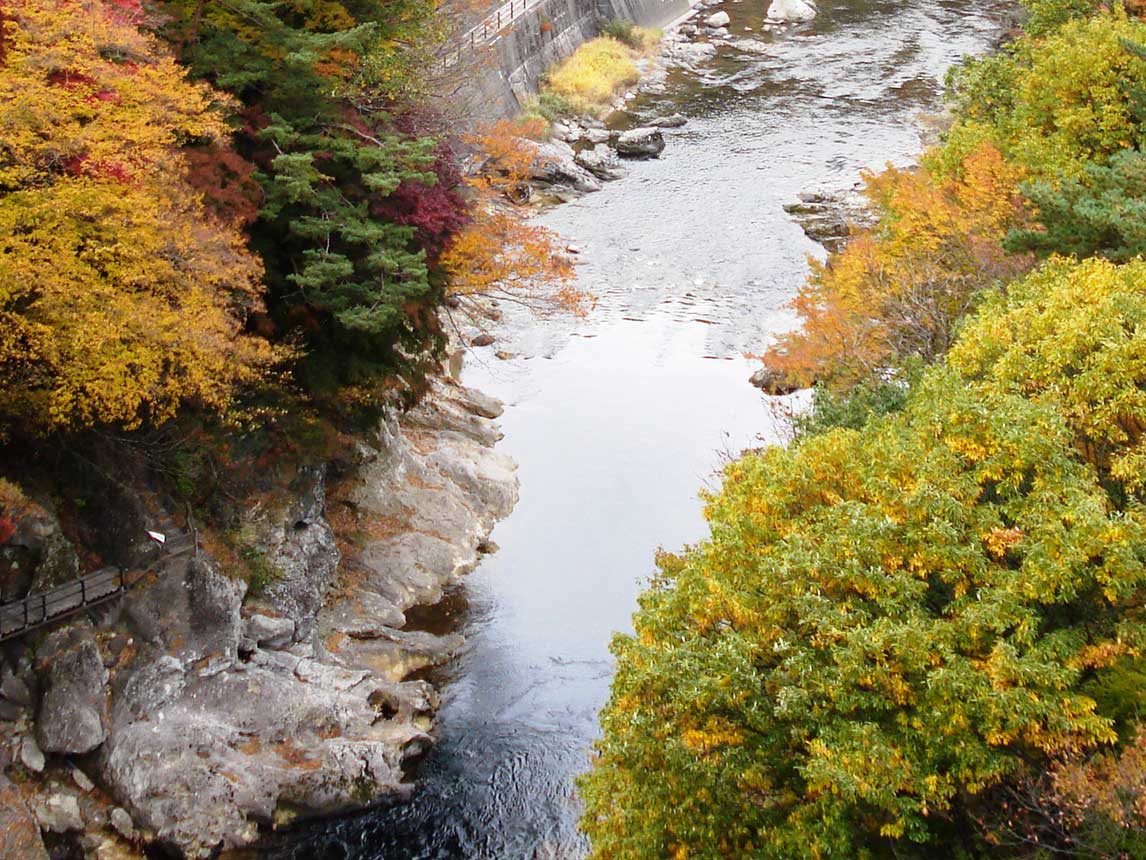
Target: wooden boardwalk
36, 610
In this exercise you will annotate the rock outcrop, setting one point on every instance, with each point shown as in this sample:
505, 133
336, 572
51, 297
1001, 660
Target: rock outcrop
297, 543
646, 142
428, 497
20, 830
829, 216
208, 709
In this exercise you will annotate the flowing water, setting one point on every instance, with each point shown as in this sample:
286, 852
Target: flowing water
620, 419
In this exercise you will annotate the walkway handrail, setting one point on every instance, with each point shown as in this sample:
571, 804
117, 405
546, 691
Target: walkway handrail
36, 610
490, 27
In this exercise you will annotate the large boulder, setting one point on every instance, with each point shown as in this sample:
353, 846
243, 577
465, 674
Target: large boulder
21, 834
772, 382
791, 11
717, 19
643, 142
72, 717
554, 164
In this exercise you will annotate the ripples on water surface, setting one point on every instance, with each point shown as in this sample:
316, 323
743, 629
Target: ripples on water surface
618, 420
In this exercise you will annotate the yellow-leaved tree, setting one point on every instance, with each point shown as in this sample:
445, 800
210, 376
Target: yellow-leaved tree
120, 300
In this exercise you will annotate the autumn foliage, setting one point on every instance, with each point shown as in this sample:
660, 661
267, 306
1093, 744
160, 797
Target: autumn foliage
896, 293
918, 632
119, 300
882, 624
498, 252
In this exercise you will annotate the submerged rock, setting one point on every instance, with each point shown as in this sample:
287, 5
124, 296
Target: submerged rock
772, 382
828, 216
643, 142
791, 11
675, 120
689, 54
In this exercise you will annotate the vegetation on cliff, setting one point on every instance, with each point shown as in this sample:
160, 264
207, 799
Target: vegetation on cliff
918, 631
230, 231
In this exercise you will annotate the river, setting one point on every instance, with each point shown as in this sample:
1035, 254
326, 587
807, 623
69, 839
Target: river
618, 420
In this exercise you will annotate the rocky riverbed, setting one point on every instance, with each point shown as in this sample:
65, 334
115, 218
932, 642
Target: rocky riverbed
195, 712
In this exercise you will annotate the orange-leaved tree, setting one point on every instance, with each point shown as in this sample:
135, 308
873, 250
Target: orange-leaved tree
499, 253
119, 299
896, 292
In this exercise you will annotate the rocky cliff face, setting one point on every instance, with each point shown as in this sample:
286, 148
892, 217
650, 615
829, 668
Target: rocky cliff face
198, 712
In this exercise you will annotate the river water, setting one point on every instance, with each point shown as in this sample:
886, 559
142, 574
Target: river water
618, 420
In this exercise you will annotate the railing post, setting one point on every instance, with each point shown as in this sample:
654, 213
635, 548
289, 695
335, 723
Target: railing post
83, 592
25, 613
44, 606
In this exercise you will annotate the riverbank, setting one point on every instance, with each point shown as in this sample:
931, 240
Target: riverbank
198, 712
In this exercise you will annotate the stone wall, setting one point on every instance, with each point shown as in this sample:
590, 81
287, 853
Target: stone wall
495, 79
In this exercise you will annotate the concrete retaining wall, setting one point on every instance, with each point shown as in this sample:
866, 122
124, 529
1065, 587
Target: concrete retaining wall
497, 78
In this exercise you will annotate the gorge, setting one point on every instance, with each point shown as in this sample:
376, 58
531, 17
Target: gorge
617, 420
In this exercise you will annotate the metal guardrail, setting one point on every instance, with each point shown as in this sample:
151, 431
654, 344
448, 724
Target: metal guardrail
489, 29
36, 610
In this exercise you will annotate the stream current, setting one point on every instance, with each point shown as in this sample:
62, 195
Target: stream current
619, 419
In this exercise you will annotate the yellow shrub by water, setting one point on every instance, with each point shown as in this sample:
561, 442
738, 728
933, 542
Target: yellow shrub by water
591, 78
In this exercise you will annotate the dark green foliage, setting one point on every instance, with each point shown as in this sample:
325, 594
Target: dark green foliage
621, 30
552, 106
318, 84
1120, 691
851, 408
1101, 214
